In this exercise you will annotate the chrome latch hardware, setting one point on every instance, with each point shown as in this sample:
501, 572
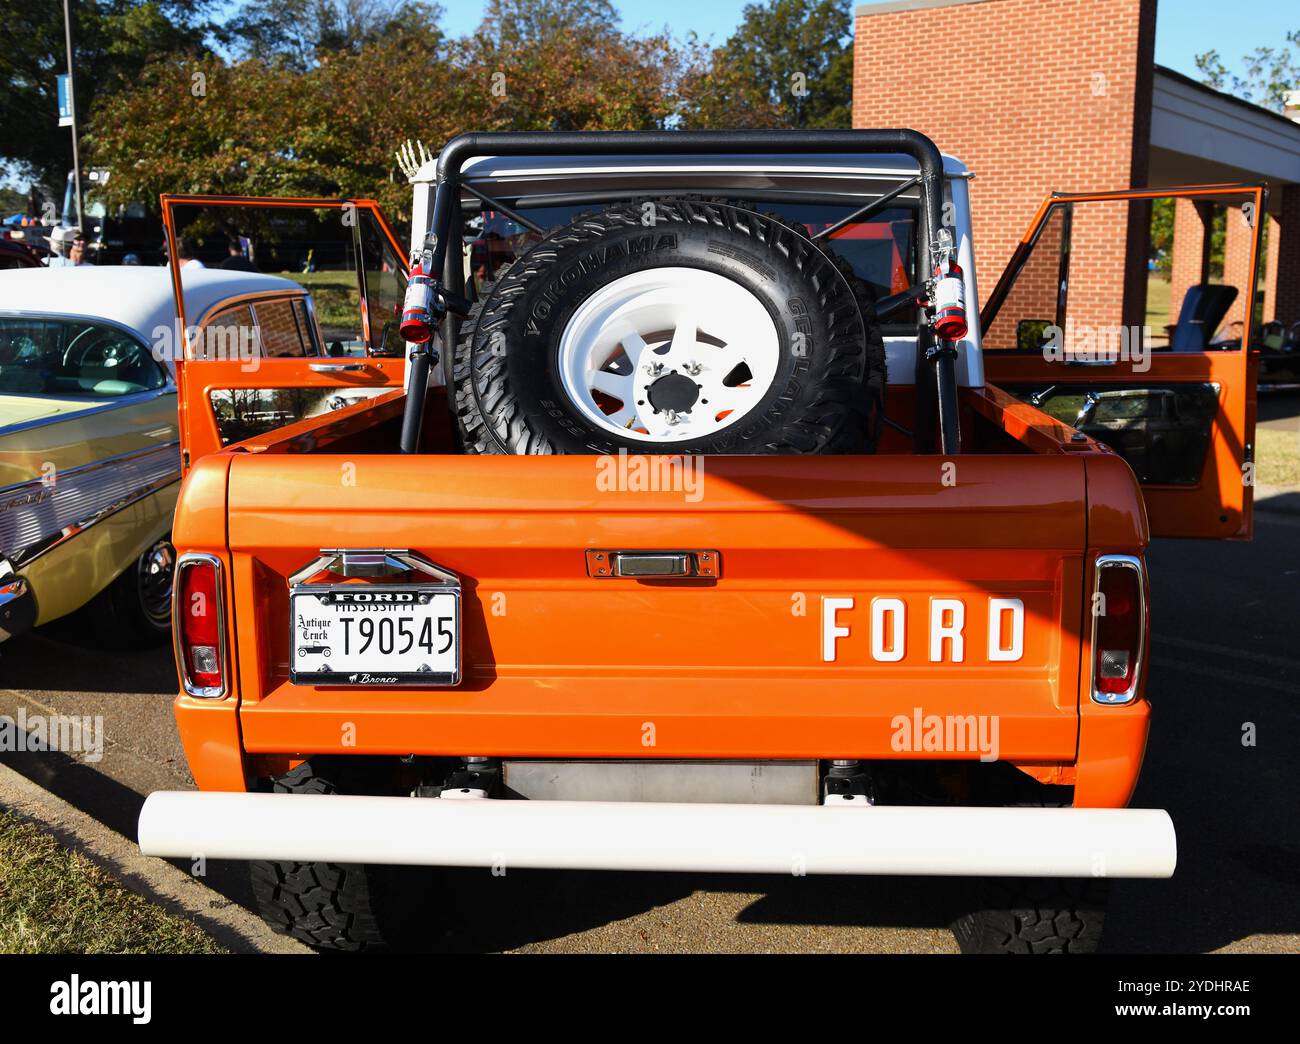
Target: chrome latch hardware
653, 564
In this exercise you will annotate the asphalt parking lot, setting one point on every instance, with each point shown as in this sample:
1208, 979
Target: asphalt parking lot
1225, 658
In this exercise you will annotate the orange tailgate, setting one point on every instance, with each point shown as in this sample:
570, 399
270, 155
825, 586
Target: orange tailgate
560, 663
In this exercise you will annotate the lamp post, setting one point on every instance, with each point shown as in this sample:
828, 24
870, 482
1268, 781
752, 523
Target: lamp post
72, 106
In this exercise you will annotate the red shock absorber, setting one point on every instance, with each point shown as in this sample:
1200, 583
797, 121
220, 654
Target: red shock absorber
418, 319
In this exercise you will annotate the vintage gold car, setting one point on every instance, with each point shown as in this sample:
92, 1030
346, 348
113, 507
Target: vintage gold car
89, 451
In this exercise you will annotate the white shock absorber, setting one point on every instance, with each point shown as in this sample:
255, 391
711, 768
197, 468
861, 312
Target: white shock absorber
949, 292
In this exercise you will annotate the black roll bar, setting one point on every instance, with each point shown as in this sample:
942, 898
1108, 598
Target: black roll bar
444, 226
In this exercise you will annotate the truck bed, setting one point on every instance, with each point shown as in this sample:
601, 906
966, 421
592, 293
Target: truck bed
557, 663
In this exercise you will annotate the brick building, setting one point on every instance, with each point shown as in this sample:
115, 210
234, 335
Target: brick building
1042, 95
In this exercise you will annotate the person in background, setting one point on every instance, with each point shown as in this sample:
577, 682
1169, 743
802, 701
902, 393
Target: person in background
186, 250
237, 262
77, 253
60, 240
131, 259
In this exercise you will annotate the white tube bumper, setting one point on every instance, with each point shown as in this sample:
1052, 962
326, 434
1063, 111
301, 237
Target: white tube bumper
601, 835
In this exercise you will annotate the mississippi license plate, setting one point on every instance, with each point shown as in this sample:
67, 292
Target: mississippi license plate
365, 634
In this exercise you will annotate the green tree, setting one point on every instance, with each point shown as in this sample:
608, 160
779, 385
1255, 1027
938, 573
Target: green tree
301, 32
1270, 74
790, 63
1162, 233
113, 40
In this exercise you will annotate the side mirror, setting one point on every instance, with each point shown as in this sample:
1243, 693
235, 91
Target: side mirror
1031, 334
381, 350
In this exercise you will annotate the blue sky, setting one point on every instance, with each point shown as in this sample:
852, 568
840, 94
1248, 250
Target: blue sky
1184, 28
707, 17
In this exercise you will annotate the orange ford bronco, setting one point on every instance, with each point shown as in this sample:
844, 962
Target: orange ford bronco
715, 530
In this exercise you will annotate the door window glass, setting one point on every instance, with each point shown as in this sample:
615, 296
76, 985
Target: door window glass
1163, 431
228, 335
1115, 280
280, 330
46, 356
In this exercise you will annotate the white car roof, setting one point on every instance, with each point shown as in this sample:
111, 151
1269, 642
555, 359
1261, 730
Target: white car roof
136, 297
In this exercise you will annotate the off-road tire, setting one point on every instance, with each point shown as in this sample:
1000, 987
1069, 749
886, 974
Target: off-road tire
340, 906
1034, 916
509, 397
876, 375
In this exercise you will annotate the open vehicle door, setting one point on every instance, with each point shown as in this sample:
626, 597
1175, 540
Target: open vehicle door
1130, 316
310, 327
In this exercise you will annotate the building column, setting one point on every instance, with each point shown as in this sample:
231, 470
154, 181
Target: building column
1284, 266
1190, 263
1237, 239
1272, 243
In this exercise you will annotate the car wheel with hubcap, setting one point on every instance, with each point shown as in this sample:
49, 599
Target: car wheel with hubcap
135, 610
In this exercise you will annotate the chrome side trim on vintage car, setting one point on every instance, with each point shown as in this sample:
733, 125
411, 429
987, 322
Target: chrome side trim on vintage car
118, 402
38, 515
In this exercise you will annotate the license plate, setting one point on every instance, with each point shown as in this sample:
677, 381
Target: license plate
364, 634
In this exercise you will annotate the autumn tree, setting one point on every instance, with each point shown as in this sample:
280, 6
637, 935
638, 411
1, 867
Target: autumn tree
568, 83
263, 126
539, 21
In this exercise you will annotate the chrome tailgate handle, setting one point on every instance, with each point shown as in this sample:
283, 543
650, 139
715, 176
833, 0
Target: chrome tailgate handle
651, 564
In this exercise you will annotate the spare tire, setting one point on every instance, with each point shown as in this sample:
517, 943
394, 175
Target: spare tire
678, 326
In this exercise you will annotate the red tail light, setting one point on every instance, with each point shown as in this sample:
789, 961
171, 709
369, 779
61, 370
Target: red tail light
1119, 633
199, 625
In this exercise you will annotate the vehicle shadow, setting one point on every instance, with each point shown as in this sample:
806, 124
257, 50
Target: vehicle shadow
117, 806
1221, 757
1222, 666
521, 908
1234, 808
49, 660
1281, 403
